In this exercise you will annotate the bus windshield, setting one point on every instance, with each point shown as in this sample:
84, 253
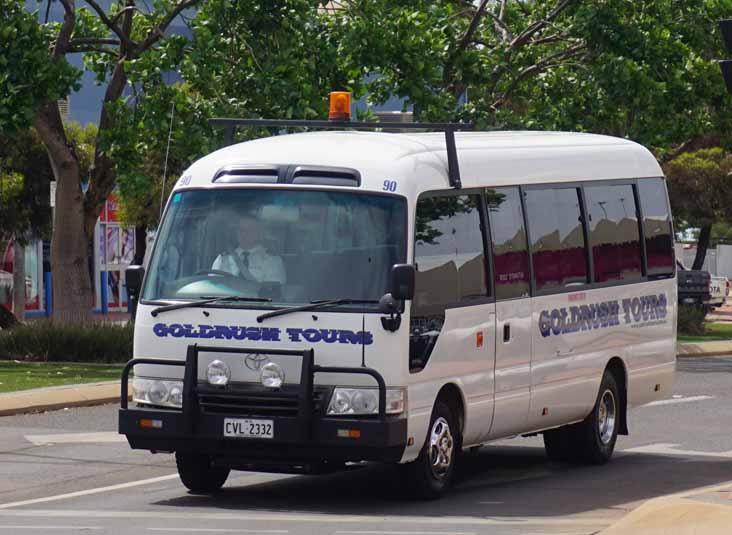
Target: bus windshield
285, 246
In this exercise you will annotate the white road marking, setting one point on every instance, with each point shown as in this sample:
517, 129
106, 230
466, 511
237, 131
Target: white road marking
89, 492
76, 438
675, 400
671, 449
218, 530
314, 517
89, 528
405, 532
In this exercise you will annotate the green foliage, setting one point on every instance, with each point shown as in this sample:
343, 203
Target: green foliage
45, 341
15, 215
25, 198
691, 320
700, 186
28, 77
650, 74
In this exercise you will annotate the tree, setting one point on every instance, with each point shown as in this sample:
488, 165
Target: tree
700, 189
112, 41
649, 74
456, 58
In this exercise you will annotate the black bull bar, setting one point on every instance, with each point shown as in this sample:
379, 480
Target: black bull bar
305, 410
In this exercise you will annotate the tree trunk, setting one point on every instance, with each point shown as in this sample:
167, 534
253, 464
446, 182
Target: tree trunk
140, 244
72, 292
701, 246
18, 280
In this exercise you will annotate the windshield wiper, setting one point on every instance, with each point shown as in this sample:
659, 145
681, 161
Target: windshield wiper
207, 300
312, 306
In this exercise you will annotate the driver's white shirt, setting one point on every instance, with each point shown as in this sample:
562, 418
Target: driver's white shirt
263, 266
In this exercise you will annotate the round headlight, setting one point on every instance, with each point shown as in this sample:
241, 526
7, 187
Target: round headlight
364, 402
272, 375
158, 392
341, 402
218, 373
176, 396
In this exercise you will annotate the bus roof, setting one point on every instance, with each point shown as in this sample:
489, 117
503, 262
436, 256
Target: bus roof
418, 161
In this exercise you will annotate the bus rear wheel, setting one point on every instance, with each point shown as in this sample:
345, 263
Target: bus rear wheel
592, 440
197, 473
430, 475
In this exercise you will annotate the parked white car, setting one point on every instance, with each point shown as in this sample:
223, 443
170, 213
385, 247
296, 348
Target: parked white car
719, 290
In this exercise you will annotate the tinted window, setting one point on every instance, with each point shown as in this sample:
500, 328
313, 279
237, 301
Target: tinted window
557, 237
451, 268
448, 252
657, 226
510, 255
614, 235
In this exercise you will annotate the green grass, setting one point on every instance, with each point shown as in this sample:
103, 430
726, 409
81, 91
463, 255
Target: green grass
16, 376
714, 332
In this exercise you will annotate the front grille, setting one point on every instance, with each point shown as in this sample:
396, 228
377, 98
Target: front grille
256, 401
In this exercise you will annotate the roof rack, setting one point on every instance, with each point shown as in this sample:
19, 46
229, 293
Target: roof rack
453, 170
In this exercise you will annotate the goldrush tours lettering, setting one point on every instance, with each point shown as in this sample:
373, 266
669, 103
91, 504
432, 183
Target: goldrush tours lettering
632, 310
264, 334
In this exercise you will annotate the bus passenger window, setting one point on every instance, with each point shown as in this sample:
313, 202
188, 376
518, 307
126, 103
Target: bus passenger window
614, 233
557, 237
510, 255
451, 268
657, 227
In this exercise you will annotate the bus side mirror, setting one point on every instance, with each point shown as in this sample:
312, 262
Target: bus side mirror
402, 281
133, 281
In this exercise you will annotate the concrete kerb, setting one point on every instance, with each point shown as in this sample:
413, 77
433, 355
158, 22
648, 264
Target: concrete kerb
704, 349
59, 397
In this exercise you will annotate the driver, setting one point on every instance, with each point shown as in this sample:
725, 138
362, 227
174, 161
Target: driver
250, 260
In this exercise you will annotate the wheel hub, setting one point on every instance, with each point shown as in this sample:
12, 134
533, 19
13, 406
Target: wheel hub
606, 417
441, 447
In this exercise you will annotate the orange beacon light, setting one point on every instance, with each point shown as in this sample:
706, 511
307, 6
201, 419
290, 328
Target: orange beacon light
340, 106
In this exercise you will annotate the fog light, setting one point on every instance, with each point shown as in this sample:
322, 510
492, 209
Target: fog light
272, 375
218, 373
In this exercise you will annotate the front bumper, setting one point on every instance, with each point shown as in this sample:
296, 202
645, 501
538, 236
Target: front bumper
306, 436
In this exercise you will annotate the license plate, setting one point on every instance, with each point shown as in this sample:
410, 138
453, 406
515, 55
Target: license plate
245, 428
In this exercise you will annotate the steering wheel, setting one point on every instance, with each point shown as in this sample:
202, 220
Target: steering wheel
219, 272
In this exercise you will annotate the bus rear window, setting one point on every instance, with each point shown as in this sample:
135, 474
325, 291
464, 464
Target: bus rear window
657, 227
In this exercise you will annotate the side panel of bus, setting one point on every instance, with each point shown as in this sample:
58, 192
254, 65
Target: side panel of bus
452, 315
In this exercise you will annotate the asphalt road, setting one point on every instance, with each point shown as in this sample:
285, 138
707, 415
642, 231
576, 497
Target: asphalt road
67, 472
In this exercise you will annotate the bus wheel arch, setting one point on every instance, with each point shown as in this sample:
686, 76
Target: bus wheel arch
616, 366
452, 395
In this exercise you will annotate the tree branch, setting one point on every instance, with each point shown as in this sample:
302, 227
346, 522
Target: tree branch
110, 24
158, 32
550, 61
101, 50
539, 25
125, 10
67, 28
696, 143
84, 41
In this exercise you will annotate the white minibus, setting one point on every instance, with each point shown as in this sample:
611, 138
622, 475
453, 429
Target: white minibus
319, 299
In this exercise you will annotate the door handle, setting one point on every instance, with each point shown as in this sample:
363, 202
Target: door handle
506, 332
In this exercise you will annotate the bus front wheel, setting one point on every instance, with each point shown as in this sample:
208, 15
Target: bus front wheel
430, 475
197, 473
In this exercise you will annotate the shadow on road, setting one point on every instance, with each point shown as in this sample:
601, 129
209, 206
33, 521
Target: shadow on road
497, 481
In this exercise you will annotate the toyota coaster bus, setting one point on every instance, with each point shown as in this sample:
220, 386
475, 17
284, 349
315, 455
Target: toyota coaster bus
325, 298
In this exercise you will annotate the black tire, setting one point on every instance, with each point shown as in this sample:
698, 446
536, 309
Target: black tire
595, 444
558, 445
198, 475
430, 475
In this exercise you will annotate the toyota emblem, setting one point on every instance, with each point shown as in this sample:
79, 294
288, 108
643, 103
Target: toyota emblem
255, 361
